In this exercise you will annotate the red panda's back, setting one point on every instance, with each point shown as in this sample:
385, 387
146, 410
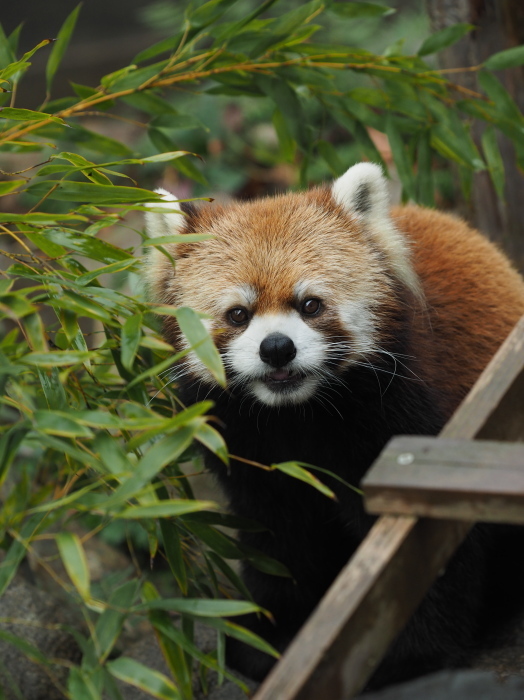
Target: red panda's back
474, 298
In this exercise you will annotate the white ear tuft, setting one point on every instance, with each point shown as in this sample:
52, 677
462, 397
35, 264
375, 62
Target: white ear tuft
363, 191
160, 224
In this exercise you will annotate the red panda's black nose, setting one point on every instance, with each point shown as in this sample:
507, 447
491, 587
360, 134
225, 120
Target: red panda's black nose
277, 350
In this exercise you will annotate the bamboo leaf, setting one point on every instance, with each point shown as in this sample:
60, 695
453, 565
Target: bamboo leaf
131, 335
199, 339
75, 562
165, 509
201, 607
298, 472
10, 185
211, 438
174, 554
56, 359
443, 38
28, 115
60, 46
494, 160
111, 621
400, 155
152, 682
61, 424
510, 58
166, 450
357, 10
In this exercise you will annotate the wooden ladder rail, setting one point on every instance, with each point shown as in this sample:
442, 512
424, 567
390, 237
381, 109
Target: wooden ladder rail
373, 597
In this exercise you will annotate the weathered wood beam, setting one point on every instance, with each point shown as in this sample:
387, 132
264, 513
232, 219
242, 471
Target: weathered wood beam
454, 479
346, 637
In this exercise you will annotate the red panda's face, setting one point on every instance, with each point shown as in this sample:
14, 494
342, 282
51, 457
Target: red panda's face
297, 288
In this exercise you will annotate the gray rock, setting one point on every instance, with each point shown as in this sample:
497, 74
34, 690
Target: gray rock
40, 620
454, 685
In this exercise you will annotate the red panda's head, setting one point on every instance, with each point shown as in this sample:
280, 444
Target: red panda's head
298, 287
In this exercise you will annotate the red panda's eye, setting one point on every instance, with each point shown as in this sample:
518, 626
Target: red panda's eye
238, 316
311, 307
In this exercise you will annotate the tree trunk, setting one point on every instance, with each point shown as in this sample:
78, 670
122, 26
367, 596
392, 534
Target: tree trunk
499, 26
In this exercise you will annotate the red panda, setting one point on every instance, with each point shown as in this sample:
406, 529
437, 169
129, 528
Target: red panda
340, 324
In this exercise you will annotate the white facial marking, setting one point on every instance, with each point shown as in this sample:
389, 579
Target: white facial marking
243, 295
243, 357
360, 322
310, 288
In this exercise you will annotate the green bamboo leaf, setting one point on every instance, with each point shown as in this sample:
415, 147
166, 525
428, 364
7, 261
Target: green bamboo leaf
28, 649
400, 156
443, 38
7, 51
130, 340
94, 193
456, 145
17, 550
173, 644
93, 248
211, 438
118, 266
494, 160
82, 306
230, 573
110, 450
331, 158
424, 179
509, 58
16, 306
298, 472
165, 509
110, 623
61, 424
174, 553
52, 387
208, 13
9, 186
152, 682
28, 115
356, 10
35, 333
75, 562
285, 139
504, 103
9, 445
166, 450
56, 359
218, 541
60, 46
286, 99
201, 607
241, 633
199, 339
38, 218
81, 686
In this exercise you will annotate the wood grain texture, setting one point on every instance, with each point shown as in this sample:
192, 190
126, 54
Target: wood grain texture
443, 478
375, 594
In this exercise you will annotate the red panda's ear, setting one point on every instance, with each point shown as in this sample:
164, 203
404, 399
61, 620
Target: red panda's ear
159, 223
363, 193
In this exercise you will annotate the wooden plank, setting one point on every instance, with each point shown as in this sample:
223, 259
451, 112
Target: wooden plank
326, 661
446, 478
